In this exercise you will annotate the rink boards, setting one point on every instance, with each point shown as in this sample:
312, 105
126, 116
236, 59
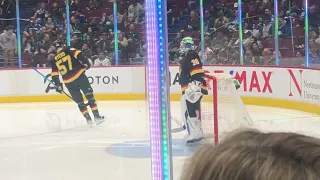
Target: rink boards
293, 88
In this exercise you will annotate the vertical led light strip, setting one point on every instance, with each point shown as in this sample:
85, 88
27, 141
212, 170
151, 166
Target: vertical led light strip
240, 31
68, 23
18, 34
291, 28
276, 32
202, 31
115, 30
306, 22
165, 89
153, 83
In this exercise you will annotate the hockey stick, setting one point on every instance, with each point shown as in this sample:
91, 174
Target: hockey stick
47, 79
180, 128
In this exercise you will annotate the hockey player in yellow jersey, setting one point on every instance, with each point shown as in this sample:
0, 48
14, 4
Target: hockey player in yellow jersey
193, 87
72, 65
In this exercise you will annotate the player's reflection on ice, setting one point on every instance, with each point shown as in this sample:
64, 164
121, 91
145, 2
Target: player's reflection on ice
141, 149
61, 121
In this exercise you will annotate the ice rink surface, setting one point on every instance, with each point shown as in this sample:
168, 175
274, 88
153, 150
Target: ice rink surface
51, 140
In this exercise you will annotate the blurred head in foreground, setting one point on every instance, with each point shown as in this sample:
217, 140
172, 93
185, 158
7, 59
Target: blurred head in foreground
252, 155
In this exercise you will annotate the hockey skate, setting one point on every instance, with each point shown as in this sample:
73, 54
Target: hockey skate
89, 122
195, 133
99, 119
88, 118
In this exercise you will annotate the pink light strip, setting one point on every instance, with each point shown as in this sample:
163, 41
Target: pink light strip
153, 79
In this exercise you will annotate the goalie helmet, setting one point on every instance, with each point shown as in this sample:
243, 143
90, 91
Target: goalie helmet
186, 44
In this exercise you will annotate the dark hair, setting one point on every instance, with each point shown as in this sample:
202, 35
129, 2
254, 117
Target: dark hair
10, 27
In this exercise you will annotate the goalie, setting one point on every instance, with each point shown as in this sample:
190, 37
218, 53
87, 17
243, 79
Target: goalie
193, 87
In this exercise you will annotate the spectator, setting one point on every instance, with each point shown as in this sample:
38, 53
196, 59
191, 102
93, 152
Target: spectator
103, 45
267, 29
208, 22
194, 22
219, 40
88, 33
31, 31
76, 26
89, 42
86, 51
135, 10
42, 12
44, 45
8, 44
55, 12
256, 49
92, 5
123, 45
123, 6
255, 155
268, 15
132, 35
248, 39
102, 60
76, 42
49, 24
75, 5
221, 21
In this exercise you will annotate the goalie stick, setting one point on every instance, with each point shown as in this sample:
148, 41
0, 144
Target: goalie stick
46, 78
180, 128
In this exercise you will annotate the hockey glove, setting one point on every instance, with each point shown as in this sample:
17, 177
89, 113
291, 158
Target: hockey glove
59, 88
193, 92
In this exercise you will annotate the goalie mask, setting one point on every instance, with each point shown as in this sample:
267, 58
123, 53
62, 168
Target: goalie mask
186, 44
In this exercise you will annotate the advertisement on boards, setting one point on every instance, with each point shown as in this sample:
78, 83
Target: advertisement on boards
253, 81
304, 84
103, 80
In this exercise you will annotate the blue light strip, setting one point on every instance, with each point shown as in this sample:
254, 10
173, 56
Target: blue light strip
165, 89
202, 32
68, 23
240, 31
115, 30
18, 34
276, 32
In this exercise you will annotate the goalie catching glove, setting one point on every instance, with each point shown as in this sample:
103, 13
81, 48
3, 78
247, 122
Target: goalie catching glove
193, 92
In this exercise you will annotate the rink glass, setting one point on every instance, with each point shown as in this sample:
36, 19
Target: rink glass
296, 48
291, 46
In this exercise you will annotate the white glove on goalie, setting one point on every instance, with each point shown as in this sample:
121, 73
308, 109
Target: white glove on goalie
193, 92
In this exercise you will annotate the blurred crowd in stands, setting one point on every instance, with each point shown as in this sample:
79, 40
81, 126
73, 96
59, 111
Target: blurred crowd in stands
92, 30
221, 27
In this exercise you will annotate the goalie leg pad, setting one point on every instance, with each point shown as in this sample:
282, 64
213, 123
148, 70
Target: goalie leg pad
194, 130
184, 110
193, 109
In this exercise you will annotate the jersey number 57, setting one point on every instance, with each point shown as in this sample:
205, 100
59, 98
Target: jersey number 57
64, 65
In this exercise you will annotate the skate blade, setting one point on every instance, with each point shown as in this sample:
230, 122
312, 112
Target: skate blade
194, 141
99, 122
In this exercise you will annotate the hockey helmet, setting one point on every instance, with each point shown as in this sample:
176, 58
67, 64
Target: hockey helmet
186, 43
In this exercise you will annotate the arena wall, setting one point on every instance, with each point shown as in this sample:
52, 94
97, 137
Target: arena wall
285, 87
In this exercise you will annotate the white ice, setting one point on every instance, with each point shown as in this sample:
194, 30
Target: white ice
51, 141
